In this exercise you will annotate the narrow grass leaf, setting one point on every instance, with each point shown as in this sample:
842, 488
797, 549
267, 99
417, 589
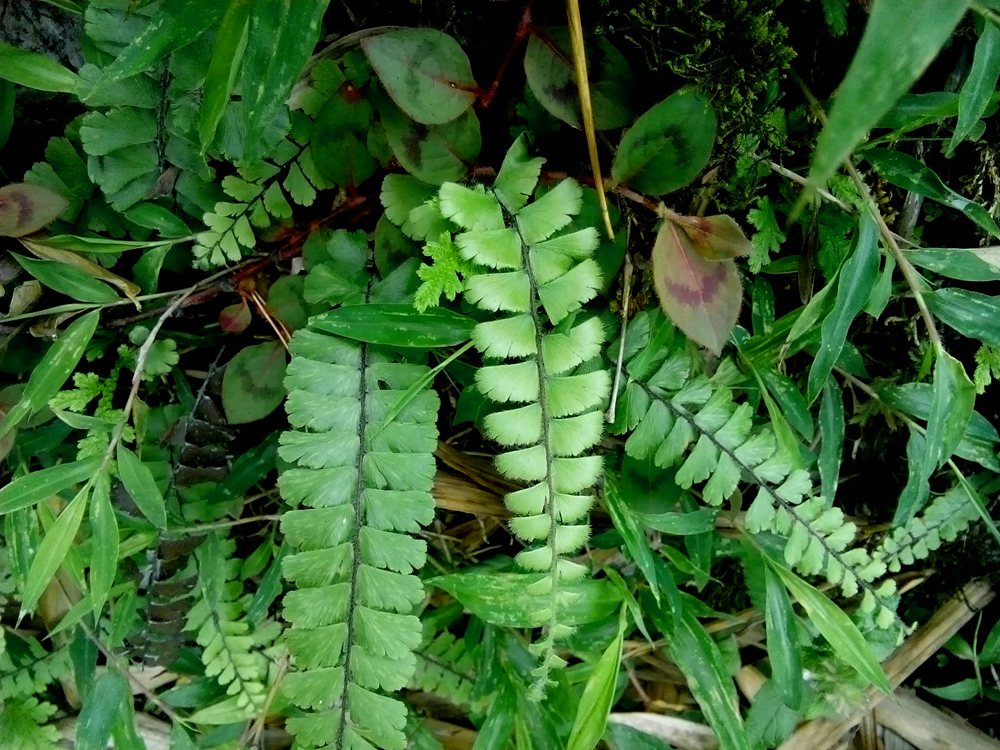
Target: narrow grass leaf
41, 484
53, 370
885, 65
783, 642
52, 550
598, 695
979, 86
139, 484
104, 543
100, 709
227, 54
854, 284
628, 525
35, 70
835, 626
831, 438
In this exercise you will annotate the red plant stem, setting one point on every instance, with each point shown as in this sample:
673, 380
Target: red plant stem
523, 30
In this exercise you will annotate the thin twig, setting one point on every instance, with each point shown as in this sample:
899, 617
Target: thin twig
626, 300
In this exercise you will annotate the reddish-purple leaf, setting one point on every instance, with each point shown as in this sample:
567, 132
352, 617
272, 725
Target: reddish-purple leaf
714, 237
27, 208
235, 318
702, 297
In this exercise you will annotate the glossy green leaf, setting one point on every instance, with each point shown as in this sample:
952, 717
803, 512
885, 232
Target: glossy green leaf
67, 280
699, 658
432, 153
963, 690
176, 24
397, 325
100, 711
668, 146
227, 54
952, 404
783, 642
965, 264
701, 297
425, 71
52, 550
884, 67
979, 86
912, 174
835, 626
831, 438
253, 383
146, 215
104, 543
503, 598
598, 696
282, 35
35, 70
41, 484
854, 284
548, 66
970, 313
26, 208
139, 484
698, 521
54, 369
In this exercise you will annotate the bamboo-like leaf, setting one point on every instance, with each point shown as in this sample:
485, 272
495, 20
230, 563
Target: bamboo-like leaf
139, 484
834, 625
41, 484
227, 54
783, 642
101, 709
598, 695
884, 67
68, 280
628, 526
979, 85
397, 325
53, 549
831, 429
53, 370
104, 543
854, 284
970, 313
35, 70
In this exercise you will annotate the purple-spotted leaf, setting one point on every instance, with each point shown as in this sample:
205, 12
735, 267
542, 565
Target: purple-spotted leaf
253, 383
27, 208
425, 71
702, 297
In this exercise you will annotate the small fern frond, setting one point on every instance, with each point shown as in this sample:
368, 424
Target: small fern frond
27, 668
680, 418
360, 488
233, 651
550, 419
446, 668
261, 195
23, 725
942, 520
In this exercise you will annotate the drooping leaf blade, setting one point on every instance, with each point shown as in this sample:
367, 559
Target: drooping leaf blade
139, 484
970, 313
35, 70
782, 642
979, 86
227, 54
397, 325
884, 67
42, 484
598, 696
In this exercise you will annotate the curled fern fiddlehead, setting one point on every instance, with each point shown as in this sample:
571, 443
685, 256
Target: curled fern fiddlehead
534, 281
360, 488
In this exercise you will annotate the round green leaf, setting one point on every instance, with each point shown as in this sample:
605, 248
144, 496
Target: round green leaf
253, 384
425, 71
668, 146
435, 153
548, 65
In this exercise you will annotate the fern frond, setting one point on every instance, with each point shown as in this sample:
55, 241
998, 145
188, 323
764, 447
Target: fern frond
678, 417
28, 668
360, 488
233, 651
261, 195
446, 668
942, 520
549, 419
23, 725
